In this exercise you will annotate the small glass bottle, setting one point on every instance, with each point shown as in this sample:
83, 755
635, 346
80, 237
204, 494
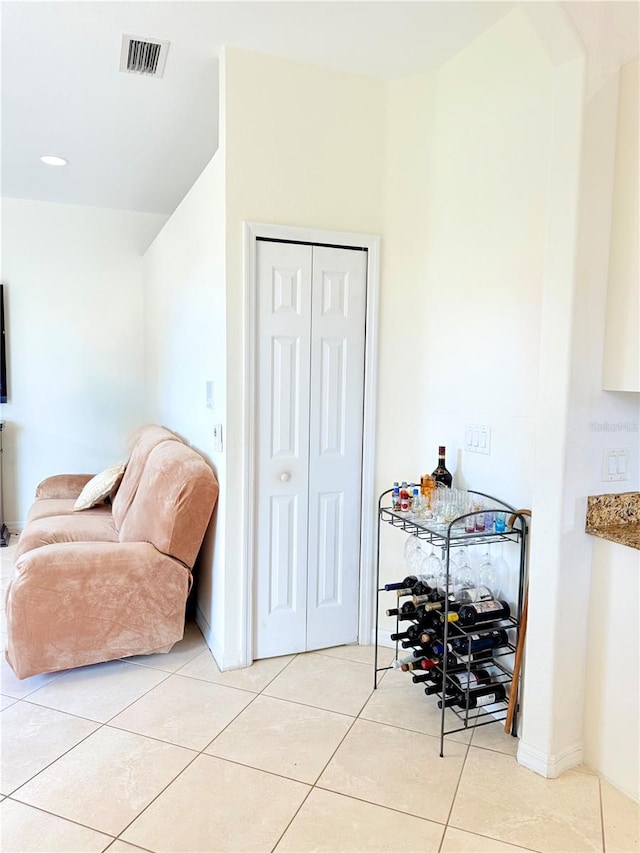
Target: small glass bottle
396, 497
404, 497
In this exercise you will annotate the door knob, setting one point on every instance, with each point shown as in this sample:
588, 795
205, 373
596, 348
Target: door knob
285, 477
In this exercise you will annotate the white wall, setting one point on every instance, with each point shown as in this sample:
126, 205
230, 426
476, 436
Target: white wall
185, 337
622, 354
601, 419
465, 211
73, 291
304, 146
612, 744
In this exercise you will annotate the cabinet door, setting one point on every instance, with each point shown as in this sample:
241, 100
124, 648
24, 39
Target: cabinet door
335, 450
282, 465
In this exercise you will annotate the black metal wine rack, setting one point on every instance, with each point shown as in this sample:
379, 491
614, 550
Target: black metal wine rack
448, 536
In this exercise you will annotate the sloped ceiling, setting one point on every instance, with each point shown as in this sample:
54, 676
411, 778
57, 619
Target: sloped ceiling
138, 143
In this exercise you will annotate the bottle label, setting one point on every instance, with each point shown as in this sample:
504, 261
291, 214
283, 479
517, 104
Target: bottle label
489, 699
467, 679
487, 606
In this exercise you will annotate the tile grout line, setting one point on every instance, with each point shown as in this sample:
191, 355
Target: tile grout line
14, 799
602, 828
200, 752
455, 793
313, 786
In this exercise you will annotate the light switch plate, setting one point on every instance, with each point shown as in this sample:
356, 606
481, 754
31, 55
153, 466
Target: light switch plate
477, 438
614, 464
217, 438
210, 394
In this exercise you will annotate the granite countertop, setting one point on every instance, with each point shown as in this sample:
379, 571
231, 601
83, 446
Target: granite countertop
615, 517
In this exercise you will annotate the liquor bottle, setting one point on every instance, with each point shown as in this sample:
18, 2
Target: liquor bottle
487, 694
416, 501
463, 646
441, 474
395, 501
483, 611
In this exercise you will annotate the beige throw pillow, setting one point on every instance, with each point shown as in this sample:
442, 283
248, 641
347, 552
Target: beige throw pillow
100, 487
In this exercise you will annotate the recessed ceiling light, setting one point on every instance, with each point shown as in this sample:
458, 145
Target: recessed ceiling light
54, 161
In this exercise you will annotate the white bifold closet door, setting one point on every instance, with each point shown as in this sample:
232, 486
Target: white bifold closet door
311, 305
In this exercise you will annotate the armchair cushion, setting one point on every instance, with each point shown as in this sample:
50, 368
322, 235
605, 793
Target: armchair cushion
62, 486
72, 604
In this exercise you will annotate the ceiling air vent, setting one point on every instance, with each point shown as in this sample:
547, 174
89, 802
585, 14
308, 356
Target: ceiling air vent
143, 56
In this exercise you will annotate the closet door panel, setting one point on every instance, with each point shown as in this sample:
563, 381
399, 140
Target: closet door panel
282, 469
335, 445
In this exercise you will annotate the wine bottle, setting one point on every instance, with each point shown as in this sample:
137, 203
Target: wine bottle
411, 634
389, 587
434, 663
413, 664
457, 682
483, 611
469, 595
425, 675
487, 694
476, 642
441, 474
398, 663
429, 636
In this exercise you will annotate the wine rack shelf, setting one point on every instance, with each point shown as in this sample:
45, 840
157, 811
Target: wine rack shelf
465, 659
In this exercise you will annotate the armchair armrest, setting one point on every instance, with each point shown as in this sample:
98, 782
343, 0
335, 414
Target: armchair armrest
76, 603
62, 486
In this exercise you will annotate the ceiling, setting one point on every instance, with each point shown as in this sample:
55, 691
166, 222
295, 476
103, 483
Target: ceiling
139, 143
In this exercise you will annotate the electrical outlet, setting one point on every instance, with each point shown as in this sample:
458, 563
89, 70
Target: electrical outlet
614, 464
477, 438
217, 438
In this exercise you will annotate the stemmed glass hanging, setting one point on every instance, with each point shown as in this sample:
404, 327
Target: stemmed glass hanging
488, 577
431, 566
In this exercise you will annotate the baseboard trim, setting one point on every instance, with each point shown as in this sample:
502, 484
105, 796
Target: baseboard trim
384, 639
224, 662
548, 764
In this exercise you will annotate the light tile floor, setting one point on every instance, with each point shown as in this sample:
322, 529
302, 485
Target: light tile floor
166, 753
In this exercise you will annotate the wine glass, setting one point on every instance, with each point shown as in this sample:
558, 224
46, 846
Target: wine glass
431, 566
501, 567
465, 576
409, 546
487, 575
415, 559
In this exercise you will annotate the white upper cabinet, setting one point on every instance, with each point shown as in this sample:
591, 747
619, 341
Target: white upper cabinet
621, 369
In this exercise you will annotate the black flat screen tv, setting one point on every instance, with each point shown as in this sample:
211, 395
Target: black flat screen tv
3, 353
